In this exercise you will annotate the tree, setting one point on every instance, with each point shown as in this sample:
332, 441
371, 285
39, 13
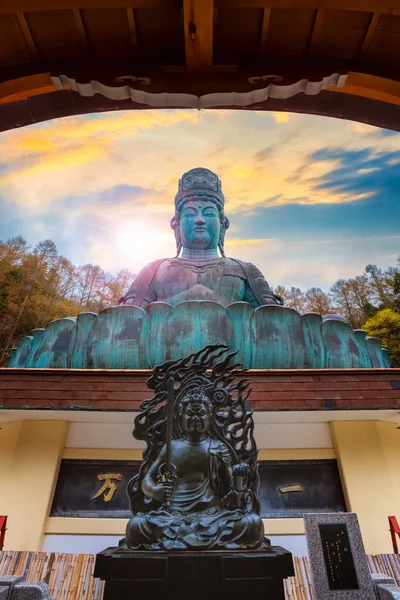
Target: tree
293, 297
380, 284
35, 287
317, 301
369, 310
396, 289
62, 278
341, 294
90, 286
119, 285
385, 325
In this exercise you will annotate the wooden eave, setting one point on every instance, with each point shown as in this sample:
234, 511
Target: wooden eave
199, 47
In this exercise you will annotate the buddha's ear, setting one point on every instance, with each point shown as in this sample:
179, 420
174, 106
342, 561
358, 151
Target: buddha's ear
224, 226
174, 223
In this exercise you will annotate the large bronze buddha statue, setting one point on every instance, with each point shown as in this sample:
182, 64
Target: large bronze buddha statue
198, 272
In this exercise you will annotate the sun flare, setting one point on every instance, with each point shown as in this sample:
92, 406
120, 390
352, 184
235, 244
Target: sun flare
140, 239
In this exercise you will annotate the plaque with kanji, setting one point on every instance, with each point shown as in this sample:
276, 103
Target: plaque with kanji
93, 488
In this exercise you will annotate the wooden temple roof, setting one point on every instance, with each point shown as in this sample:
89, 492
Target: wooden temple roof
198, 48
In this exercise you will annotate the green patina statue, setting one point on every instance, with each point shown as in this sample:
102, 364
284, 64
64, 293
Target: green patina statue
178, 305
198, 272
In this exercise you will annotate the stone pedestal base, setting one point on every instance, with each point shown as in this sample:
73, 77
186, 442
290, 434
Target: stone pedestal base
255, 575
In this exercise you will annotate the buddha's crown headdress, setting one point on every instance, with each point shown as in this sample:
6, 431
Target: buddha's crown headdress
199, 182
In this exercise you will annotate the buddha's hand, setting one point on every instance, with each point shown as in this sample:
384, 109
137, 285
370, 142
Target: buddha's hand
241, 472
164, 483
163, 492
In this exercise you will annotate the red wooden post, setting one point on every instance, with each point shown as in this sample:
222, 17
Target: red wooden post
394, 528
3, 523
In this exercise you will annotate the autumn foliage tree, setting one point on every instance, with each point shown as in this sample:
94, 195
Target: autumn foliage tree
370, 301
385, 325
38, 285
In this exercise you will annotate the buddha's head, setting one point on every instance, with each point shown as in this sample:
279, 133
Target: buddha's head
195, 412
199, 220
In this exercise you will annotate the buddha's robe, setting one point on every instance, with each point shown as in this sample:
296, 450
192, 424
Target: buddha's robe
223, 280
197, 518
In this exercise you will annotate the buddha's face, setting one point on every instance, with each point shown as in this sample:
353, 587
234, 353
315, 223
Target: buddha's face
196, 418
200, 224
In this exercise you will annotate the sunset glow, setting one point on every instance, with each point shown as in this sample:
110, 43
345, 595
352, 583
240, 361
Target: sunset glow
310, 199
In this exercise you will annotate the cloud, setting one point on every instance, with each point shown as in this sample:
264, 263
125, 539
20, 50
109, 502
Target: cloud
264, 153
281, 117
59, 159
360, 173
242, 171
364, 129
216, 151
78, 141
34, 143
388, 132
235, 243
123, 193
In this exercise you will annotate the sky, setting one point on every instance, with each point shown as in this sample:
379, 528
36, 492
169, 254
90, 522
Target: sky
311, 199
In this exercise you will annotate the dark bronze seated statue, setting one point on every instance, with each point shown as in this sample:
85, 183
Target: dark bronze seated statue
197, 486
198, 272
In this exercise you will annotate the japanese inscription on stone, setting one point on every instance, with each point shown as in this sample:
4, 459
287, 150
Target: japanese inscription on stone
338, 557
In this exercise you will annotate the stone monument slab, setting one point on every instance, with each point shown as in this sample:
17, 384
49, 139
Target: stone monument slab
31, 590
337, 557
10, 580
388, 592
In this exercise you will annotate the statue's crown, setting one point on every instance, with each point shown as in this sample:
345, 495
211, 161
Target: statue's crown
199, 182
196, 397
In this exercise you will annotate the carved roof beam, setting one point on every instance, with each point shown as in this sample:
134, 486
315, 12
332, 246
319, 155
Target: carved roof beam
382, 6
198, 18
264, 30
315, 31
132, 28
82, 31
26, 32
367, 42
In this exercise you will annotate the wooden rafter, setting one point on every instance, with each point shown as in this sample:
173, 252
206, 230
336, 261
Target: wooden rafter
14, 6
132, 28
28, 36
315, 30
82, 31
366, 45
198, 16
264, 30
382, 6
26, 87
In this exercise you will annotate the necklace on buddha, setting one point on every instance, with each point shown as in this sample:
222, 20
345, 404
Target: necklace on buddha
198, 269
